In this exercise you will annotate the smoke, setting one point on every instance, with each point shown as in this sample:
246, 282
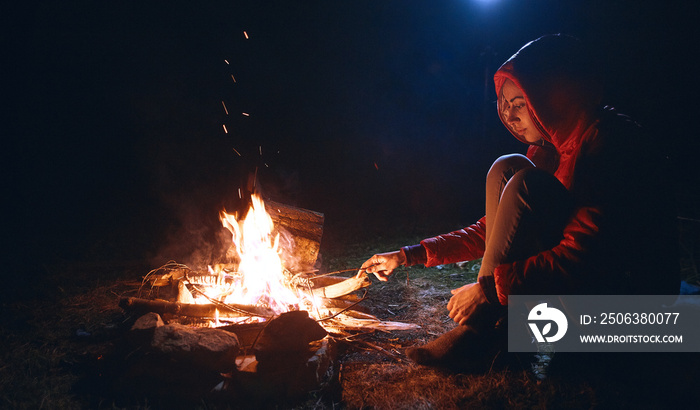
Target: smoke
189, 237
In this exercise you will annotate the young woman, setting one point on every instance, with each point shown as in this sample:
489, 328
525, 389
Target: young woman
584, 212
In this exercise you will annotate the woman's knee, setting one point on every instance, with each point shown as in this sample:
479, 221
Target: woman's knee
538, 187
538, 206
506, 166
534, 179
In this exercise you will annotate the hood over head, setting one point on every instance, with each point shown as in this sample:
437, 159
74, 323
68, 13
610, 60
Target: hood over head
560, 84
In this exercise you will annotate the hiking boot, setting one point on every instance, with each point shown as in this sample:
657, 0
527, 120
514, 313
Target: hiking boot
462, 349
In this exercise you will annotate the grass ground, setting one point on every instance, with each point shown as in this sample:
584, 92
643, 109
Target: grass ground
56, 339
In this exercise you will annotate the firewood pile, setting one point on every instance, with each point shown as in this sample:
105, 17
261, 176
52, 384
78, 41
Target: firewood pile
169, 291
251, 348
254, 347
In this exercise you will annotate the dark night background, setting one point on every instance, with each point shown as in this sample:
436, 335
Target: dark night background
372, 112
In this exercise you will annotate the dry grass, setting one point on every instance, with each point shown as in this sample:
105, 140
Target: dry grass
54, 347
45, 338
395, 386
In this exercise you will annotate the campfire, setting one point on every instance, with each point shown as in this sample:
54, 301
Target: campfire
260, 283
284, 313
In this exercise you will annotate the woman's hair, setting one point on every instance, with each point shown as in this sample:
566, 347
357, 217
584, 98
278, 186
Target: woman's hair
500, 104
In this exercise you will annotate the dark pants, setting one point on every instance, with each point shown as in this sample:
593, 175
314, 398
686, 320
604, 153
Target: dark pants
526, 211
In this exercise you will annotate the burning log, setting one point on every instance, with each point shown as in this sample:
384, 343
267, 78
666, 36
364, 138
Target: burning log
183, 294
304, 225
139, 305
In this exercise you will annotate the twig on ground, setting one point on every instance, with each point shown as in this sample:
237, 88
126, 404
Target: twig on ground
380, 350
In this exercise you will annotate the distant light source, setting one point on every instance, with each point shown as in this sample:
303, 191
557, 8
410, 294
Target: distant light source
486, 5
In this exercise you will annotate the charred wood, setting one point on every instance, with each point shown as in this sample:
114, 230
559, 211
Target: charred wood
305, 226
138, 305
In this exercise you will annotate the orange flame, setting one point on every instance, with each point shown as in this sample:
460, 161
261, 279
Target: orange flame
261, 273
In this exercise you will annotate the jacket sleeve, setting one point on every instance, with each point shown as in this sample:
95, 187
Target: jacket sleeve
553, 269
461, 245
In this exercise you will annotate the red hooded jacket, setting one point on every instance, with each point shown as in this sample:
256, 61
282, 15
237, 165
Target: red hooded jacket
621, 236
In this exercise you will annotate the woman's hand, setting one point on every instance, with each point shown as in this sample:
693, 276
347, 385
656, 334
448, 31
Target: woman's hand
468, 304
383, 264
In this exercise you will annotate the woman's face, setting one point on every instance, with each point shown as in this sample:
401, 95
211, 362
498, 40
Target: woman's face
514, 112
